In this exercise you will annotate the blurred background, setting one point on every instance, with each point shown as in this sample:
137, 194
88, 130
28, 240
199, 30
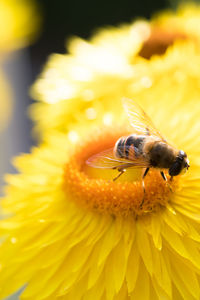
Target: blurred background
42, 28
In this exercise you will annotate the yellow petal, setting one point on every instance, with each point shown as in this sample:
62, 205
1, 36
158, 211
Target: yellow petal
133, 265
144, 248
142, 287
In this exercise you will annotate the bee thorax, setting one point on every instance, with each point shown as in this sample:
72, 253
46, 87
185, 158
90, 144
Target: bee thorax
161, 155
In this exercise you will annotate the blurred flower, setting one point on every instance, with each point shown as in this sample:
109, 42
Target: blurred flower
19, 22
99, 98
96, 74
75, 80
72, 233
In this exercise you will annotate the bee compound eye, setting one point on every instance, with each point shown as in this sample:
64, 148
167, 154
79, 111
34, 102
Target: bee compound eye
175, 169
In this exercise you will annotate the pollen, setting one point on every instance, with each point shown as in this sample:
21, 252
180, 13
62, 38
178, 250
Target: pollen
95, 189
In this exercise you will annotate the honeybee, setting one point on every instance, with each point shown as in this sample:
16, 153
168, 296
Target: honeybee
145, 148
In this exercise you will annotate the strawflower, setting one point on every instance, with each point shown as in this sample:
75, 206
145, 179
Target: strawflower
74, 81
178, 70
96, 73
70, 232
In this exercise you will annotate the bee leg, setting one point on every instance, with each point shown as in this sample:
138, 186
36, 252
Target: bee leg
143, 186
163, 175
144, 192
145, 173
121, 172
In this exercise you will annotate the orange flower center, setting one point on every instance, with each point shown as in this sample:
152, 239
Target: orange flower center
159, 41
95, 189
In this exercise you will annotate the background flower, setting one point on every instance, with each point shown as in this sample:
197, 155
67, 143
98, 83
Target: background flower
99, 97
98, 73
74, 81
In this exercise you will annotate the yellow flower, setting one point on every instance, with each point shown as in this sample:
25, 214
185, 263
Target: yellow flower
97, 73
94, 98
75, 80
70, 232
18, 23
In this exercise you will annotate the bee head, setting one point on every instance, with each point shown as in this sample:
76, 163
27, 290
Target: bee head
180, 164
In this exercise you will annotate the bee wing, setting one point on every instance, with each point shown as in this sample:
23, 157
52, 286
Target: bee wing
139, 120
107, 160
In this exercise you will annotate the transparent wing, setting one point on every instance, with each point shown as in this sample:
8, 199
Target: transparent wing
107, 160
139, 120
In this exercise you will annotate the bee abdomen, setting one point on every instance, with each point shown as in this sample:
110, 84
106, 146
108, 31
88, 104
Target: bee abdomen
123, 145
136, 142
119, 147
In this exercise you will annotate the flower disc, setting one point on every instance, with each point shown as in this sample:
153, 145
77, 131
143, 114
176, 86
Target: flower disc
122, 197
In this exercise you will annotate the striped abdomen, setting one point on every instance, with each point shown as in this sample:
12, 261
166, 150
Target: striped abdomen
129, 147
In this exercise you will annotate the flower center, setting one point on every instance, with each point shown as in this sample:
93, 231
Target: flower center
95, 189
158, 42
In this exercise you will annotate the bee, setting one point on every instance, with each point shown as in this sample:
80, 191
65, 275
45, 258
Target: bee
144, 148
